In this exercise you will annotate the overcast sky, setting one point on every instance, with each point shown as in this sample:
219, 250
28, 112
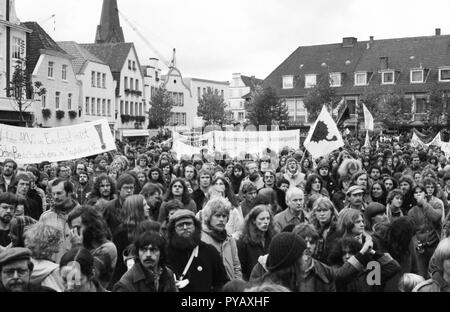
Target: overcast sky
215, 38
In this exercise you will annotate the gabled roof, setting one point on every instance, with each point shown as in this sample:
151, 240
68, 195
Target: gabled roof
403, 54
38, 42
251, 82
80, 54
113, 54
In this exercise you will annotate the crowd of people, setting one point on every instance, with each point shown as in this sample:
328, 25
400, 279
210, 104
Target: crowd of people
142, 219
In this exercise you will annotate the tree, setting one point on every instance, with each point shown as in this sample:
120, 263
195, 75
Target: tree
394, 109
437, 105
161, 107
266, 108
321, 93
211, 107
21, 89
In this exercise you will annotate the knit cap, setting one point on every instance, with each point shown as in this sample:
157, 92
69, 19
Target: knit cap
284, 250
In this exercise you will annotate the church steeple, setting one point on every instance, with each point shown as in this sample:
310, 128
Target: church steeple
109, 30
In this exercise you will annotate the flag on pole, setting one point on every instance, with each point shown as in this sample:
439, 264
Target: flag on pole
367, 142
368, 119
324, 136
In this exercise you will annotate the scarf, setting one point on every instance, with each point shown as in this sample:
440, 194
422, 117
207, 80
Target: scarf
219, 236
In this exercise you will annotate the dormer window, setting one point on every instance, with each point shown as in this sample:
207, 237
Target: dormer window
388, 77
416, 76
361, 79
310, 80
335, 79
288, 82
444, 74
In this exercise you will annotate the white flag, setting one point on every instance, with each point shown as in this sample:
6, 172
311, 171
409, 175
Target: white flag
368, 119
324, 136
367, 142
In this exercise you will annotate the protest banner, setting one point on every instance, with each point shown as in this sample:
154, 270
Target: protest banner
34, 145
189, 145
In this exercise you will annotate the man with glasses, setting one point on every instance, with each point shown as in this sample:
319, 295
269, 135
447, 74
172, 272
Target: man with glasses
8, 205
198, 266
16, 268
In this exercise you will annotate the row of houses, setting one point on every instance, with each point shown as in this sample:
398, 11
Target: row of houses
88, 81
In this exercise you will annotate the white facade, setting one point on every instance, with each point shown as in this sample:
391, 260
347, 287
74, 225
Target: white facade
56, 73
17, 49
129, 103
236, 103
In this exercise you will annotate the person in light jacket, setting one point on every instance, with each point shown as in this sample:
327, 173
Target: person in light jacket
215, 217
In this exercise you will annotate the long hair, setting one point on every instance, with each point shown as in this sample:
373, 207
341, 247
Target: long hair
382, 199
185, 197
398, 237
310, 180
250, 233
323, 202
228, 192
336, 254
346, 220
95, 193
160, 178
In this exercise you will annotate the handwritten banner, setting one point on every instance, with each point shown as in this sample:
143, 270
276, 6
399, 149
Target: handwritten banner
34, 145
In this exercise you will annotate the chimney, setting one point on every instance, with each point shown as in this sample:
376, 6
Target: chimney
371, 39
369, 44
384, 62
438, 32
349, 42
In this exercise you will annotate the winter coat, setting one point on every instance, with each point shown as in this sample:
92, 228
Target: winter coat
137, 280
295, 180
249, 252
206, 272
427, 221
228, 251
285, 218
339, 200
46, 273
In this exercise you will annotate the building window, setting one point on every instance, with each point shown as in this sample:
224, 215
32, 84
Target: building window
93, 79
64, 73
121, 108
240, 115
92, 106
69, 101
126, 107
288, 82
421, 104
416, 76
109, 107
140, 109
137, 85
136, 109
335, 79
134, 65
17, 48
387, 77
104, 81
103, 107
43, 101
204, 90
444, 74
57, 96
99, 79
50, 69
199, 93
129, 64
360, 79
183, 116
131, 108
98, 107
131, 83
310, 80
125, 83
87, 106
222, 93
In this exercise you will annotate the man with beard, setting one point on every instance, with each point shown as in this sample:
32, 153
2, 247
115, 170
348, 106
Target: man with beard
100, 165
16, 268
8, 205
199, 195
293, 174
270, 180
83, 187
149, 273
104, 189
414, 166
253, 175
406, 183
7, 179
294, 214
197, 265
57, 216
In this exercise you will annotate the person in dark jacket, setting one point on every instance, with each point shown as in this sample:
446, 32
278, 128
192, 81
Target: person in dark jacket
198, 266
256, 237
149, 273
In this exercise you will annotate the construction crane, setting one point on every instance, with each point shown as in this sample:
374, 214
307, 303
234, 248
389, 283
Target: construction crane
53, 16
160, 56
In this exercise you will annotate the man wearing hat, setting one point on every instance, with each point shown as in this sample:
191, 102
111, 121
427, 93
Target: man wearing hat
198, 266
16, 268
355, 194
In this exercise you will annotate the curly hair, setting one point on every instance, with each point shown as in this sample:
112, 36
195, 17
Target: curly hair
95, 193
310, 180
214, 205
337, 252
160, 177
185, 197
348, 166
43, 240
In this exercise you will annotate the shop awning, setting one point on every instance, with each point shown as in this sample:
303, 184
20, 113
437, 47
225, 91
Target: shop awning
135, 132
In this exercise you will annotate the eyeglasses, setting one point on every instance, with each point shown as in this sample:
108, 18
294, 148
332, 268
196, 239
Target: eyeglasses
10, 272
187, 224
